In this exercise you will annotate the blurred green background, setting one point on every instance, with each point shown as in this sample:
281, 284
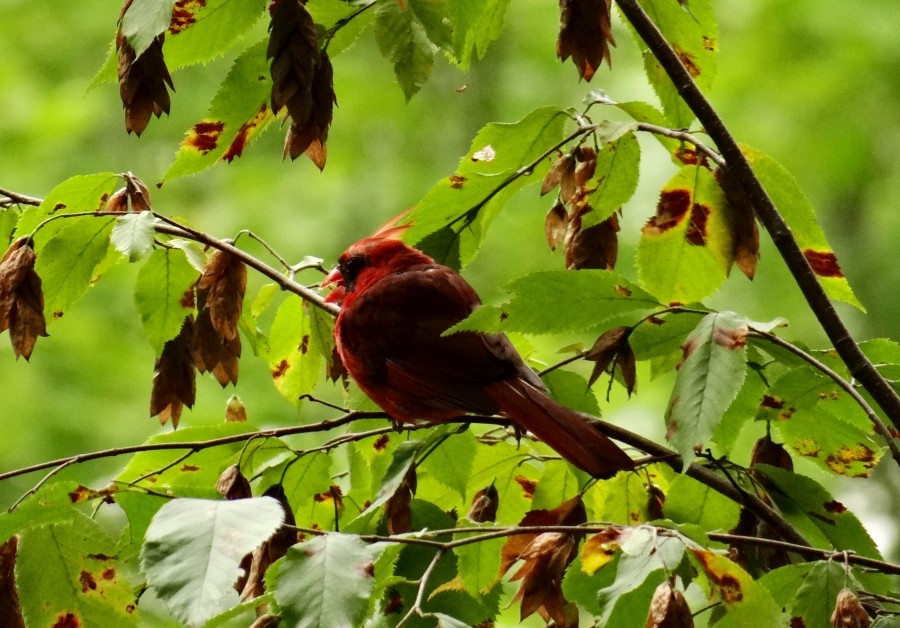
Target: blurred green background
812, 82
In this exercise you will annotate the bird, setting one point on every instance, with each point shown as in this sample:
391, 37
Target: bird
396, 302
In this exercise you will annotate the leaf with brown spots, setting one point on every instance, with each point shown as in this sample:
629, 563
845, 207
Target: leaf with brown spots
295, 368
585, 34
174, 379
686, 250
142, 79
21, 298
745, 600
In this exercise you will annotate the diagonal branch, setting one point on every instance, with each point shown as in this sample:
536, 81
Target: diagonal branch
860, 366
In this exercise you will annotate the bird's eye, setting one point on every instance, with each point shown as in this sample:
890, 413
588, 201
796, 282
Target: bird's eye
351, 267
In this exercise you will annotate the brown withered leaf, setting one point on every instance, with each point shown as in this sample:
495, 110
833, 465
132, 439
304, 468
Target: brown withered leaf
848, 612
273, 549
310, 137
397, 513
742, 220
221, 289
484, 505
569, 513
562, 170
587, 165
585, 34
21, 298
134, 197
767, 451
555, 224
213, 353
612, 347
235, 412
142, 80
594, 247
669, 609
232, 484
174, 379
544, 564
10, 611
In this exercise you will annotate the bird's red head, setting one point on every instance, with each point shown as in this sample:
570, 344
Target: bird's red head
367, 261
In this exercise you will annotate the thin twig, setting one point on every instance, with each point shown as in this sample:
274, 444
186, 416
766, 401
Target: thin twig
880, 427
739, 168
34, 489
14, 198
416, 608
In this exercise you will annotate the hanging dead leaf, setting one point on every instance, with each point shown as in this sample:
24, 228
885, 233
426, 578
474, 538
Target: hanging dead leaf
213, 353
235, 412
742, 220
562, 170
767, 451
232, 484
174, 379
484, 505
311, 136
142, 80
555, 224
569, 513
594, 247
585, 34
397, 514
848, 612
221, 288
544, 563
10, 611
21, 298
669, 609
270, 551
134, 197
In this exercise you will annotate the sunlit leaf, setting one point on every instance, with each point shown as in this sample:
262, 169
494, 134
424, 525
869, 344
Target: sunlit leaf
193, 549
295, 367
202, 31
746, 601
689, 501
82, 193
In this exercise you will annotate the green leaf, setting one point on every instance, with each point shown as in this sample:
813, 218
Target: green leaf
445, 621
800, 216
326, 582
741, 410
402, 461
581, 587
502, 464
193, 549
824, 521
295, 367
557, 484
476, 25
689, 501
67, 262
622, 499
451, 462
304, 480
163, 294
645, 112
237, 115
83, 193
191, 477
403, 40
143, 21
686, 249
592, 298
202, 31
571, 390
330, 13
67, 575
498, 164
659, 339
746, 601
479, 562
615, 178
801, 403
691, 29
709, 378
814, 599
133, 234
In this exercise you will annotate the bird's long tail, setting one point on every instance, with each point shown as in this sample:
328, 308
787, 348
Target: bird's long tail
564, 430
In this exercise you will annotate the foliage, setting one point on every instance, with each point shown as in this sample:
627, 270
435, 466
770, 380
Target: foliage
364, 526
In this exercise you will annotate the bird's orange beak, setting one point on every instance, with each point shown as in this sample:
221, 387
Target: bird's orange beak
337, 293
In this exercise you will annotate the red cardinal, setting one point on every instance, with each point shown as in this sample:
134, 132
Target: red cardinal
395, 304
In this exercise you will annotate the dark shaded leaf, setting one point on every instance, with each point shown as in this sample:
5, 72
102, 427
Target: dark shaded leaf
174, 380
484, 505
397, 513
142, 79
10, 611
585, 34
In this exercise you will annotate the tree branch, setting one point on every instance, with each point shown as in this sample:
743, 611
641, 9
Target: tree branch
860, 366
